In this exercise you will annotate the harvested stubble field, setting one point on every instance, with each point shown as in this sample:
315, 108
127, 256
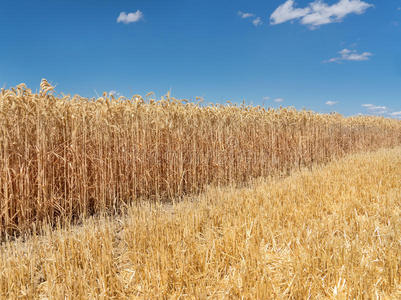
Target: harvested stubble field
67, 157
332, 232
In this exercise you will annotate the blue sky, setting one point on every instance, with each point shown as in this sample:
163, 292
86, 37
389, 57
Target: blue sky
339, 55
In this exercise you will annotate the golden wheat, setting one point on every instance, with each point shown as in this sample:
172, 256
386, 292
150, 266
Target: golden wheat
329, 233
66, 157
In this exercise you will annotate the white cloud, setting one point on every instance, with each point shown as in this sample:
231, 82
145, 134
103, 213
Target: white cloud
375, 109
257, 21
318, 12
279, 100
331, 103
245, 15
325, 14
382, 110
266, 98
351, 55
286, 12
130, 17
114, 93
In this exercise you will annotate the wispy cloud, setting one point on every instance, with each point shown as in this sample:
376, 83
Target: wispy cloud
382, 110
331, 103
114, 93
351, 55
266, 98
376, 109
130, 17
245, 15
317, 13
256, 21
279, 100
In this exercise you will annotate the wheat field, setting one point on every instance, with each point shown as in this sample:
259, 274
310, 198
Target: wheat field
63, 157
329, 232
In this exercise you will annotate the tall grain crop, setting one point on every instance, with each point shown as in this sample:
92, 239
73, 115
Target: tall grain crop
63, 157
